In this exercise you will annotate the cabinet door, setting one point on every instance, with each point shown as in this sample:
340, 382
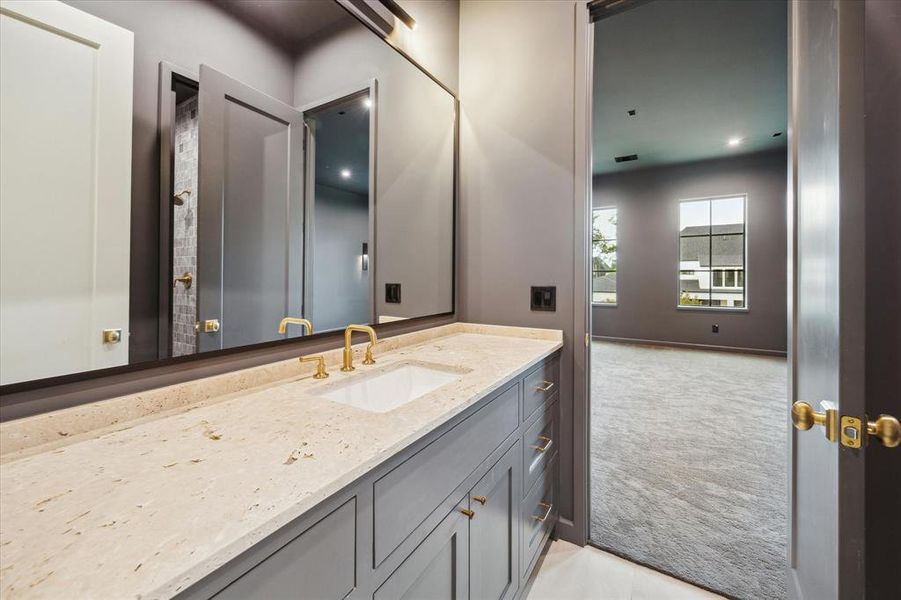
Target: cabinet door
438, 568
493, 531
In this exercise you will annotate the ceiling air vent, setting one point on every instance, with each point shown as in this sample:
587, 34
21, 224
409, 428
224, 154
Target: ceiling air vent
626, 158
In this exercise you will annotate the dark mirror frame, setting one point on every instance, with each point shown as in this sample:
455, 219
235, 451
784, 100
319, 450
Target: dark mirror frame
28, 398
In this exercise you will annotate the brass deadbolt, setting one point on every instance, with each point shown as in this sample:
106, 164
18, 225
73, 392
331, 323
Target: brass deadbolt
112, 336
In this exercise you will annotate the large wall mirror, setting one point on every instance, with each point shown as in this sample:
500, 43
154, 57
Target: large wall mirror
178, 177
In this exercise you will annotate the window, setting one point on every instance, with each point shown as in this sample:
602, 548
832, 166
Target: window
603, 256
712, 252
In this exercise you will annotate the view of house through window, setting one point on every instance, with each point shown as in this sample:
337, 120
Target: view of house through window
603, 256
712, 252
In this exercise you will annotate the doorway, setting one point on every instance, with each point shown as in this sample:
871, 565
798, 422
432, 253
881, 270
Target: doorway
687, 470
340, 210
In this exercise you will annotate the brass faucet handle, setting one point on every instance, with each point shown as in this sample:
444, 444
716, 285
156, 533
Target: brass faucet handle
321, 372
368, 360
187, 279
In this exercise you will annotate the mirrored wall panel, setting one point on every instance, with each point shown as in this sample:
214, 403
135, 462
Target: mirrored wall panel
180, 177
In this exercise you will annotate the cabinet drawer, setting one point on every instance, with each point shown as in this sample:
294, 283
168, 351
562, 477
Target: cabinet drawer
405, 496
539, 386
539, 445
319, 563
538, 514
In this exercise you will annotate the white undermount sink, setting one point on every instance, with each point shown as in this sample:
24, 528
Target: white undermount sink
389, 389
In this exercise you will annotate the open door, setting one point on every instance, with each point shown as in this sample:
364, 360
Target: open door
65, 183
827, 342
250, 214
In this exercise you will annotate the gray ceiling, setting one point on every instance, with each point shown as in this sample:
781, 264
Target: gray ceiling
288, 22
342, 142
697, 72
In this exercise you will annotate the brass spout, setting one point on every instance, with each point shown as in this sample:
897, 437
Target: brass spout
283, 326
348, 364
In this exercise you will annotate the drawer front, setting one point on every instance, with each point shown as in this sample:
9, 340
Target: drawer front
320, 562
539, 386
539, 445
405, 496
538, 515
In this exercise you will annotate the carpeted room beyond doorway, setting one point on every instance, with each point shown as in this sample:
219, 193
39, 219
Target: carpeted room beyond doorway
688, 464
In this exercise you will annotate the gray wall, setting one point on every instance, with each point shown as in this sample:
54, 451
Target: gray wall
340, 286
517, 65
415, 165
435, 43
882, 77
184, 33
647, 239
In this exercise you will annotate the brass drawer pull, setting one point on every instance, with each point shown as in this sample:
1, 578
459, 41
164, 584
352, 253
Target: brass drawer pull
545, 387
468, 513
546, 514
548, 442
480, 499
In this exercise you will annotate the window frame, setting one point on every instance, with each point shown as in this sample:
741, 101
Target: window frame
591, 255
745, 233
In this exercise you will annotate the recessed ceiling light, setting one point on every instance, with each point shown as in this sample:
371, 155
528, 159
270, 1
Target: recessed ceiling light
734, 141
367, 102
345, 173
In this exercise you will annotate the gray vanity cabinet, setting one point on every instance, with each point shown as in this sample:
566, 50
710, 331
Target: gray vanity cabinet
462, 513
494, 530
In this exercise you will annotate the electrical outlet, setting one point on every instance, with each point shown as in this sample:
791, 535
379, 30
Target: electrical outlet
392, 293
544, 298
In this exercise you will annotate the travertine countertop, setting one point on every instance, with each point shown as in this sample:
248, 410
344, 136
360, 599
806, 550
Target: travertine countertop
146, 508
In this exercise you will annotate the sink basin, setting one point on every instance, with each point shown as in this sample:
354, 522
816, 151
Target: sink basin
390, 389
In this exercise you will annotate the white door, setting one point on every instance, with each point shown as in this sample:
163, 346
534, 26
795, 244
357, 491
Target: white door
249, 213
65, 189
828, 449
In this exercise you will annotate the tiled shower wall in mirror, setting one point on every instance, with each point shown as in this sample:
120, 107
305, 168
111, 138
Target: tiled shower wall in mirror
184, 234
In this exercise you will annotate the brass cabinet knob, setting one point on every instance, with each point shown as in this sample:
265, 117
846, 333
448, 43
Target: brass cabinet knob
887, 429
468, 513
480, 499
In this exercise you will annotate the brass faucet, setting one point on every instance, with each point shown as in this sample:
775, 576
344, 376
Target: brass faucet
348, 353
283, 326
321, 373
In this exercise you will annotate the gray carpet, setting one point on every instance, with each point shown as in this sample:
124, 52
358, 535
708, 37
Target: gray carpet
688, 464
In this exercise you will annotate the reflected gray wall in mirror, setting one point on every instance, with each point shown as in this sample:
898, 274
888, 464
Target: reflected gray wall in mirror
227, 231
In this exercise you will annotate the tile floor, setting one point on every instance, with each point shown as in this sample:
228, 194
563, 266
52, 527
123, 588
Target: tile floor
573, 573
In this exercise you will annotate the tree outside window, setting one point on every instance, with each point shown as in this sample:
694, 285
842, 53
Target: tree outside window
603, 256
